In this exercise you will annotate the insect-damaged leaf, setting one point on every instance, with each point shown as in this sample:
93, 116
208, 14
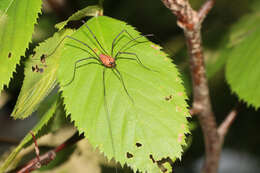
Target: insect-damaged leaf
153, 124
17, 19
40, 75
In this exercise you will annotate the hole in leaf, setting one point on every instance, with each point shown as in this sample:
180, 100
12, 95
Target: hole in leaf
129, 155
33, 68
33, 54
37, 68
43, 58
9, 55
151, 157
168, 98
138, 144
161, 163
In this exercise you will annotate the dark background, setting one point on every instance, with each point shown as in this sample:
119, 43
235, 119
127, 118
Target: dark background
241, 147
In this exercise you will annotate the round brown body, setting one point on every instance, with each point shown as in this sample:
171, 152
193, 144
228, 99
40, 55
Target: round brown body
107, 61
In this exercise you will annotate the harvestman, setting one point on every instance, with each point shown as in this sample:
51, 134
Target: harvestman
108, 61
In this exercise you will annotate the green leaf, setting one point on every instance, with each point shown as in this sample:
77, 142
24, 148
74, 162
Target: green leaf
243, 28
238, 32
46, 114
149, 123
242, 70
218, 58
17, 19
39, 83
4, 6
93, 10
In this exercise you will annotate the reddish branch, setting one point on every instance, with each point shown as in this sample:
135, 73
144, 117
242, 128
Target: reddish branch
190, 21
46, 158
225, 125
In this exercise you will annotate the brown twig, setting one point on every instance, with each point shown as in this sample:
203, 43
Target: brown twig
225, 125
190, 21
205, 8
46, 158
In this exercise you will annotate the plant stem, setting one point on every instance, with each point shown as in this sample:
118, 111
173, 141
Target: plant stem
47, 157
190, 21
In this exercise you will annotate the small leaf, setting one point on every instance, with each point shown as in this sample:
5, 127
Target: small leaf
40, 75
17, 19
93, 10
51, 104
148, 119
242, 70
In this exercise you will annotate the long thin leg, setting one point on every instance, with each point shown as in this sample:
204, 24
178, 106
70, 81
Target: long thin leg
82, 65
80, 48
107, 113
67, 36
43, 57
120, 78
148, 35
96, 39
136, 59
114, 40
75, 67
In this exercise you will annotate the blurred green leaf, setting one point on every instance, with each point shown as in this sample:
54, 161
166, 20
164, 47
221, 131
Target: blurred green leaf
40, 75
243, 28
242, 70
93, 10
217, 60
153, 126
17, 20
46, 114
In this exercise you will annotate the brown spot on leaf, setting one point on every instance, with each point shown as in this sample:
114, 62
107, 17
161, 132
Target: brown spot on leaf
180, 93
33, 54
9, 55
33, 68
129, 155
151, 157
37, 68
43, 58
138, 144
180, 137
168, 98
